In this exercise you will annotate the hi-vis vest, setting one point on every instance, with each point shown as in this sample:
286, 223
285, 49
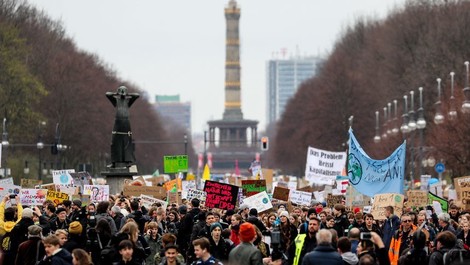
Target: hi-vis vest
299, 244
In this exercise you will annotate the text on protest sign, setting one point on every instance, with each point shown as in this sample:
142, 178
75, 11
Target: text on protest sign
148, 201
281, 193
331, 200
387, 199
174, 184
7, 181
220, 195
198, 194
62, 177
300, 197
260, 201
80, 179
417, 198
462, 187
97, 192
154, 191
57, 197
32, 196
252, 187
356, 199
10, 189
323, 166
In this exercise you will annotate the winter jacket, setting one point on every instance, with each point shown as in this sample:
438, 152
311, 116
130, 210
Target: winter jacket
389, 228
63, 257
29, 252
350, 258
245, 254
323, 254
109, 219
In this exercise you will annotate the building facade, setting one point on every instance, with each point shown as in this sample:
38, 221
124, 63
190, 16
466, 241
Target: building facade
171, 109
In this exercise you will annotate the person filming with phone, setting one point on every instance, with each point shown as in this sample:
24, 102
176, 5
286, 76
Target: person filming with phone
372, 250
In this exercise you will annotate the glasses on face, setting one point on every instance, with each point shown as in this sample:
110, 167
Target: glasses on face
406, 221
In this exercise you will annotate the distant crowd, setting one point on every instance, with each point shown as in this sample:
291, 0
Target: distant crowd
123, 231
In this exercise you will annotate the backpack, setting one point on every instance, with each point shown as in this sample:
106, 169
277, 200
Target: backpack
6, 242
108, 254
457, 255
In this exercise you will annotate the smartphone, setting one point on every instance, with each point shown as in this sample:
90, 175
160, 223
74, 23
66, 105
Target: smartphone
365, 236
13, 199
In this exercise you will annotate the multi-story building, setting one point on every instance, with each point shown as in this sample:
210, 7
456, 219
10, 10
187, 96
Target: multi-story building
171, 109
284, 77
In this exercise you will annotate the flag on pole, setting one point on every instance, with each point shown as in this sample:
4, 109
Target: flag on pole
206, 175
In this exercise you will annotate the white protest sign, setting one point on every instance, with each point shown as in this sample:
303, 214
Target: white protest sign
70, 190
322, 166
319, 196
198, 194
367, 209
62, 177
6, 181
97, 192
300, 197
185, 186
436, 188
452, 194
9, 189
148, 201
259, 201
33, 196
425, 182
437, 207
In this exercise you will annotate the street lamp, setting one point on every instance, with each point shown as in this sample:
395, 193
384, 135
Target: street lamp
421, 125
377, 132
395, 129
5, 144
40, 146
466, 92
452, 111
404, 127
438, 117
384, 134
412, 122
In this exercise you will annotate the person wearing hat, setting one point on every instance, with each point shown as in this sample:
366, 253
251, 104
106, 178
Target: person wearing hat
288, 231
74, 214
32, 250
219, 248
244, 211
76, 238
60, 221
253, 218
246, 253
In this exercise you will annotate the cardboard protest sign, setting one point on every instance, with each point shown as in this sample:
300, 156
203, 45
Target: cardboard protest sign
462, 187
148, 201
331, 200
356, 199
268, 176
174, 197
220, 195
136, 191
70, 190
57, 197
300, 197
281, 193
251, 187
62, 177
198, 194
49, 186
85, 199
97, 192
260, 201
174, 184
30, 183
32, 196
322, 166
417, 198
443, 202
387, 199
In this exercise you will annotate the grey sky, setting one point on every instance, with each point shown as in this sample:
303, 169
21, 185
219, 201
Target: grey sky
177, 46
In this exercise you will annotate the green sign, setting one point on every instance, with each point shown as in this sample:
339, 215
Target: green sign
175, 164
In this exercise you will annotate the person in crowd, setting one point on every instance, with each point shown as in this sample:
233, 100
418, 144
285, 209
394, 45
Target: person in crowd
126, 251
32, 250
246, 253
167, 239
75, 238
390, 226
97, 239
294, 219
117, 215
272, 217
50, 211
330, 222
7, 224
55, 255
445, 241
236, 221
75, 212
202, 252
303, 228
137, 215
173, 222
304, 243
153, 240
444, 223
244, 211
19, 233
204, 230
63, 236
421, 222
341, 219
261, 245
372, 251
322, 215
171, 254
227, 217
81, 257
344, 249
402, 238
61, 221
324, 253
102, 213
186, 224
416, 254
358, 220
219, 248
369, 225
130, 231
464, 235
288, 232
253, 218
454, 212
354, 236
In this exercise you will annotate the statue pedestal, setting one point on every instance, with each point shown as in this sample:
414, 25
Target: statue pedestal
116, 176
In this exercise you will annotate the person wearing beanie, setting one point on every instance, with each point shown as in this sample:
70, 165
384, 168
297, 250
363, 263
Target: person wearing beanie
219, 248
76, 238
253, 218
244, 211
288, 231
29, 248
311, 213
246, 253
19, 233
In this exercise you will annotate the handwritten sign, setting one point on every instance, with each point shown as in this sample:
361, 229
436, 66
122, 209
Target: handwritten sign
30, 183
300, 197
252, 187
7, 181
174, 197
56, 197
198, 194
32, 196
417, 198
462, 187
80, 179
356, 199
281, 193
173, 184
70, 190
97, 192
260, 201
148, 201
322, 166
331, 200
9, 189
136, 191
387, 199
220, 195
62, 177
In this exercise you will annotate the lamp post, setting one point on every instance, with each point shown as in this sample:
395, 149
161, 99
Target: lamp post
452, 111
5, 144
421, 125
40, 146
438, 117
377, 130
466, 91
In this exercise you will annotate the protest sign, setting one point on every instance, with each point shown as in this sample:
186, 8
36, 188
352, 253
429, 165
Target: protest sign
57, 197
300, 197
268, 176
220, 195
260, 201
462, 187
173, 185
30, 183
434, 198
148, 201
9, 189
70, 190
436, 188
62, 177
331, 200
252, 187
198, 194
417, 198
97, 192
136, 191
387, 199
174, 197
85, 199
80, 179
7, 181
356, 199
33, 196
323, 166
425, 182
319, 196
281, 193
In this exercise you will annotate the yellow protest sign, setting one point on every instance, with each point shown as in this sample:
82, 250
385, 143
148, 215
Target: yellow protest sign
174, 184
56, 197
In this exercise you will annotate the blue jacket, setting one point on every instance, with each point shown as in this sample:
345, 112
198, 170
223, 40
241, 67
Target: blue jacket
391, 225
323, 254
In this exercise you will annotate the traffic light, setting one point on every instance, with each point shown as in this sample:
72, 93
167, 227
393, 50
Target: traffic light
264, 143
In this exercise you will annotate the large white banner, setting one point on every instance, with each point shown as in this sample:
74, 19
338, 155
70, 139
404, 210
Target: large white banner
323, 166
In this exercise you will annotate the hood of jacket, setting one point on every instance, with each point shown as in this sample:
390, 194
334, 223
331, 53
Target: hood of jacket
63, 254
8, 226
350, 258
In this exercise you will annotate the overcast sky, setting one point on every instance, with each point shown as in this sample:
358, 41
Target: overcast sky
172, 47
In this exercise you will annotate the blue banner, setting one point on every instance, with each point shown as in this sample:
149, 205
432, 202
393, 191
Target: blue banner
370, 176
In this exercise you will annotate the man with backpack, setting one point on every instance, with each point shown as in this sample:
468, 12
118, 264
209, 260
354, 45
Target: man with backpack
444, 242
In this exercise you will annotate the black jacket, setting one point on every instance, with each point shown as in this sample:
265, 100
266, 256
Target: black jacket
63, 257
323, 254
256, 221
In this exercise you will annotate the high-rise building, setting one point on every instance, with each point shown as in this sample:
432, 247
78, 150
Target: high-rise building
171, 109
284, 77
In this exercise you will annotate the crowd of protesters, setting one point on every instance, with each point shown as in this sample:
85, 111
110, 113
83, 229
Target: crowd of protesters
123, 231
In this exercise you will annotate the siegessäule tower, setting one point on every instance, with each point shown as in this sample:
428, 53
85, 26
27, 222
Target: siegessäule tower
232, 138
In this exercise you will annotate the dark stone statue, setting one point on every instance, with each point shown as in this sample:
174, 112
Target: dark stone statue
122, 147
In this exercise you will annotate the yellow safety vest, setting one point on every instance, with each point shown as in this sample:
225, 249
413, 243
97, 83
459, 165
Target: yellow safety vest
299, 243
